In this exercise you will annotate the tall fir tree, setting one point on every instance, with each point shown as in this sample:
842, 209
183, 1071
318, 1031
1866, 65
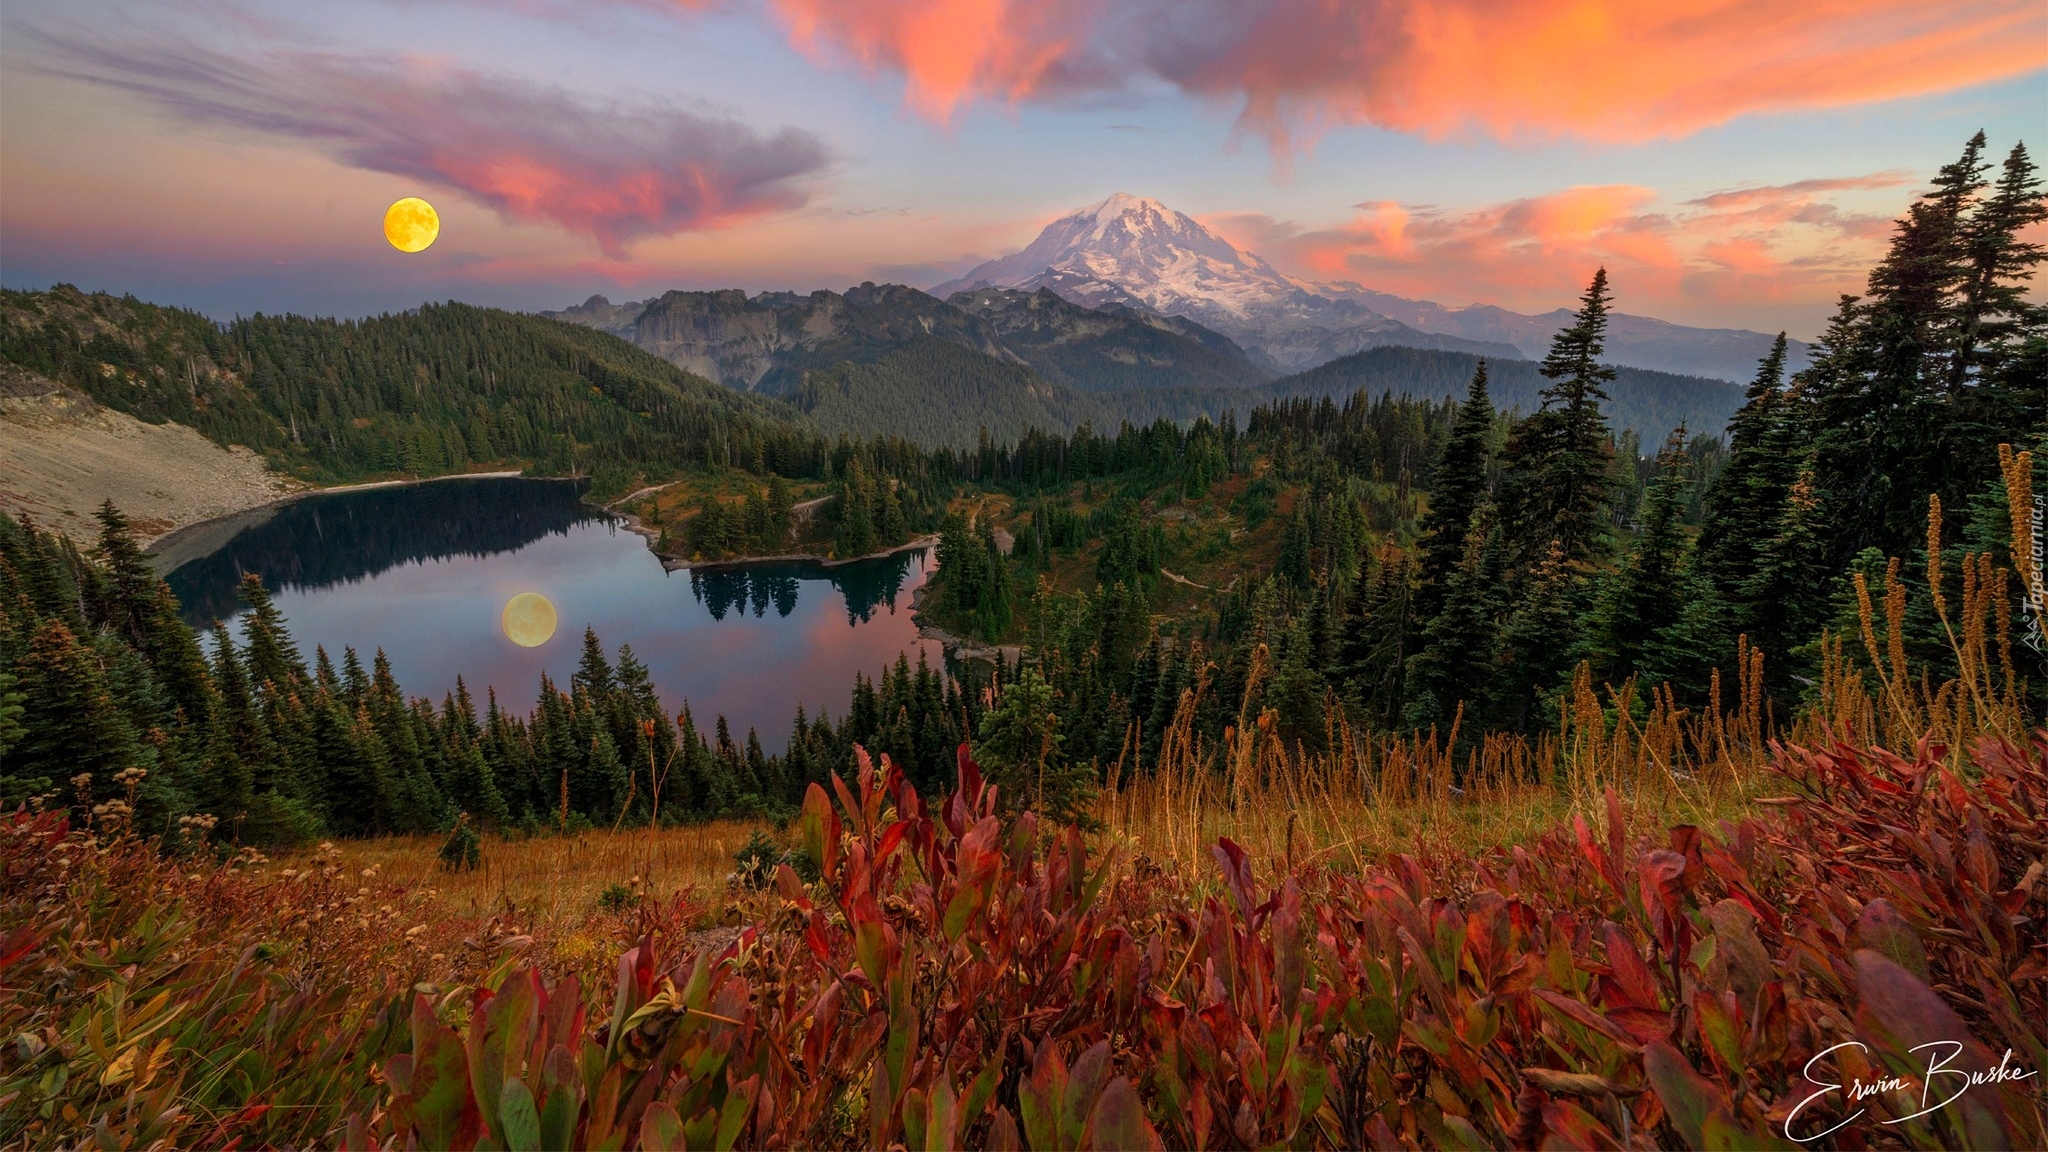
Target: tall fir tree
1536, 644
1455, 666
1750, 490
1378, 637
1640, 599
1457, 487
1555, 466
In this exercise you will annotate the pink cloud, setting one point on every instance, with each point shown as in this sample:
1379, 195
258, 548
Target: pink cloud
1615, 70
612, 171
1781, 243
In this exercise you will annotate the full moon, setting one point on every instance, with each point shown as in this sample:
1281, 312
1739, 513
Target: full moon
411, 225
529, 619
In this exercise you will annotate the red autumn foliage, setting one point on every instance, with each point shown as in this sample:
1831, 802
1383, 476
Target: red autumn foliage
952, 982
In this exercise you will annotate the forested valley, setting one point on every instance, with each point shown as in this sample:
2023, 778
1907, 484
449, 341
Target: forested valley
1365, 770
1386, 564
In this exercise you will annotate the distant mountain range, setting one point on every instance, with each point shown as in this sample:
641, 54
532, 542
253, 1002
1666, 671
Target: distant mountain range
1131, 311
891, 359
1140, 254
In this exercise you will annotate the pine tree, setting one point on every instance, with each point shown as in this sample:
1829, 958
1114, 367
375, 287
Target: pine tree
1751, 488
1020, 749
248, 756
272, 657
1641, 598
1378, 638
1554, 484
1455, 665
1457, 487
131, 584
1992, 311
16, 785
71, 723
1787, 592
1536, 644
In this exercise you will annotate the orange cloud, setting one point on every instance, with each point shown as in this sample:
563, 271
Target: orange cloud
1784, 243
611, 171
949, 51
1616, 70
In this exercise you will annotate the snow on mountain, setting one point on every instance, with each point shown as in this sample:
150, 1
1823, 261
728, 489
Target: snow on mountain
1135, 251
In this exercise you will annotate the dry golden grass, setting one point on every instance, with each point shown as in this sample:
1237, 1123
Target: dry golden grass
557, 878
1379, 793
1374, 794
547, 889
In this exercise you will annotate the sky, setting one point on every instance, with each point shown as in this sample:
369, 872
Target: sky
1731, 162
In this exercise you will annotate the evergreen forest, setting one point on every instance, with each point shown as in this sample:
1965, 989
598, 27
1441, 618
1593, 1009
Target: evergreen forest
1381, 563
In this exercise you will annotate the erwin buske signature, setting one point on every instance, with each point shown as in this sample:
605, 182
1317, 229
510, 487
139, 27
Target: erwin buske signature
1937, 1065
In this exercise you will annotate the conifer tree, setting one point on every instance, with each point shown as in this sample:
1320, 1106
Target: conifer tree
1455, 664
1641, 599
130, 583
1787, 592
1458, 485
1750, 490
176, 660
1379, 637
1536, 644
1554, 482
271, 656
247, 747
1020, 748
16, 785
70, 722
1992, 312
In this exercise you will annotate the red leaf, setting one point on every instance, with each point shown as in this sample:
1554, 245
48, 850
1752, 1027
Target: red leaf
969, 775
1583, 1015
1643, 1024
1118, 1121
1237, 875
1898, 1014
1688, 1097
1631, 975
1881, 929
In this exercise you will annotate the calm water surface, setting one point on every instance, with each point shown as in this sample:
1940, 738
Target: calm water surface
424, 571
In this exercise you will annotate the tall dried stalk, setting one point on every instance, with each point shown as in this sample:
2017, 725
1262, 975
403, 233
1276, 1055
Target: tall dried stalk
1375, 792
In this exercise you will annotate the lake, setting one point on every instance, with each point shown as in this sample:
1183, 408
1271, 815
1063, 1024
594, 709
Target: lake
423, 571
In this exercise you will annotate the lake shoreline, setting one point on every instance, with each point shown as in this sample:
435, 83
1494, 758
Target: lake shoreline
202, 537
676, 564
959, 647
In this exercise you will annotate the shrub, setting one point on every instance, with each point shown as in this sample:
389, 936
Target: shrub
951, 981
976, 987
463, 849
755, 863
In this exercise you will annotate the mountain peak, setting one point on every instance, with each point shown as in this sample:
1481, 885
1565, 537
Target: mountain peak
1135, 249
1122, 202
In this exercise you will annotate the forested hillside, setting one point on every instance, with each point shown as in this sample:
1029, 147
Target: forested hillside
1399, 565
1387, 564
1651, 403
938, 393
440, 389
102, 680
1112, 349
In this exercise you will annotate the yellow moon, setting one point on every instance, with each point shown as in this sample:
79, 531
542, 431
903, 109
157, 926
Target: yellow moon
529, 620
411, 224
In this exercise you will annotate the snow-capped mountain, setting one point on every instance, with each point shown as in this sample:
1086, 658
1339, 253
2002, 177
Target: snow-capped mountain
1135, 251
